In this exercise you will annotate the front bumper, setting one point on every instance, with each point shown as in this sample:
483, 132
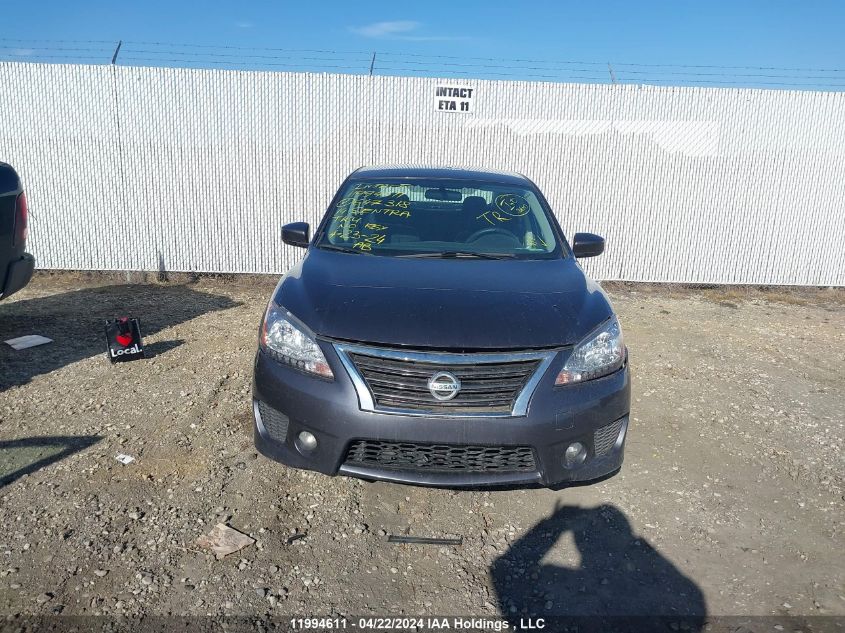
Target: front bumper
18, 275
556, 417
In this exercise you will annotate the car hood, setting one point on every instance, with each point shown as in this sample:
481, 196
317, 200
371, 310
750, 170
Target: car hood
457, 304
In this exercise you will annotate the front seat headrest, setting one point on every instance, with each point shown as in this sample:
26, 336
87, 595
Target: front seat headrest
474, 204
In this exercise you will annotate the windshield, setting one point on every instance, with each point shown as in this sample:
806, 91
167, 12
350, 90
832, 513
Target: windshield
446, 218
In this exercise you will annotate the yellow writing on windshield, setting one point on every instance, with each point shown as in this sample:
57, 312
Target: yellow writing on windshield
512, 204
534, 241
390, 212
368, 199
489, 216
365, 242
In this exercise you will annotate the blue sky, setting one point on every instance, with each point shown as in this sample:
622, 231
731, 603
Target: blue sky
411, 35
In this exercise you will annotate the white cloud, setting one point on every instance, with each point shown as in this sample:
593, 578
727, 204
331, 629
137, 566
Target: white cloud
400, 30
244, 25
386, 29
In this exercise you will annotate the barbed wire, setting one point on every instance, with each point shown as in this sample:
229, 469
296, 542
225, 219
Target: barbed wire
144, 51
70, 59
250, 48
52, 48
728, 83
406, 63
12, 39
602, 79
229, 63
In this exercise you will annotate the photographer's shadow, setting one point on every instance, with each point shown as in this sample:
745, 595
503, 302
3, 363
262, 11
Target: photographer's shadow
620, 574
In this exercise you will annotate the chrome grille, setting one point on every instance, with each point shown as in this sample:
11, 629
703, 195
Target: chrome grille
396, 381
605, 437
404, 384
440, 457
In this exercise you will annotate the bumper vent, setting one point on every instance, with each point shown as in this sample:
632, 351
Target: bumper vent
274, 421
402, 384
606, 436
441, 457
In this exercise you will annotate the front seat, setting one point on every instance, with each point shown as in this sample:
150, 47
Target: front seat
471, 208
475, 205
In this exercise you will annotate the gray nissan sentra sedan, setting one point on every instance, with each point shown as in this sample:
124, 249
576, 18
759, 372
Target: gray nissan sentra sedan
439, 330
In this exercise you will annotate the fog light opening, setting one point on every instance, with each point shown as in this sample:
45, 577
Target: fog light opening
306, 442
575, 455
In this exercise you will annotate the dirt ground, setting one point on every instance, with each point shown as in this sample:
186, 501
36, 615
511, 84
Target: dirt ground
730, 500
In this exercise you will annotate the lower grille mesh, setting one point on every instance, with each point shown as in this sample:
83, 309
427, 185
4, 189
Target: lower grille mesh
274, 421
605, 437
440, 457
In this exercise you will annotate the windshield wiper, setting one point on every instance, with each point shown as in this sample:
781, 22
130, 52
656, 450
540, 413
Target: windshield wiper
460, 254
341, 249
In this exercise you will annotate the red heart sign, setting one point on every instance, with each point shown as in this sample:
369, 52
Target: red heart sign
124, 339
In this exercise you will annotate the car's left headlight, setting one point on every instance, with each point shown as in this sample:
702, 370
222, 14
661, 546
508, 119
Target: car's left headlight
289, 342
599, 353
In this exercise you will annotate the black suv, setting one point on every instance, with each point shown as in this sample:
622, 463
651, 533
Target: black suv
440, 331
16, 265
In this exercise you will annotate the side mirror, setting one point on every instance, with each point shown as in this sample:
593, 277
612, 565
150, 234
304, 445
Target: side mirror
296, 234
587, 245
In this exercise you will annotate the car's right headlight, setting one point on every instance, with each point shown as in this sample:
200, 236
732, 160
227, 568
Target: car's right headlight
599, 353
290, 343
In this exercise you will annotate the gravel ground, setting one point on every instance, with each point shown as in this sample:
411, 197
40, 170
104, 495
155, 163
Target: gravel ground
730, 500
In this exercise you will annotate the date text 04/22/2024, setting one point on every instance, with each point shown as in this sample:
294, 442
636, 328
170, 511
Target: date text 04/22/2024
405, 623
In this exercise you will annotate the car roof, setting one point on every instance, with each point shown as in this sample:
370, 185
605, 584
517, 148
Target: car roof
439, 172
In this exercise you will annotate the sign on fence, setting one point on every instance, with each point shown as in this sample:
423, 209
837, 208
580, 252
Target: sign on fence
454, 99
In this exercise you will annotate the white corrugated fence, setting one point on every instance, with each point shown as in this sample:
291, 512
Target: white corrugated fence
197, 170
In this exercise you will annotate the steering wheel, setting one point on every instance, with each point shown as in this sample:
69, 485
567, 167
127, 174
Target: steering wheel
490, 231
